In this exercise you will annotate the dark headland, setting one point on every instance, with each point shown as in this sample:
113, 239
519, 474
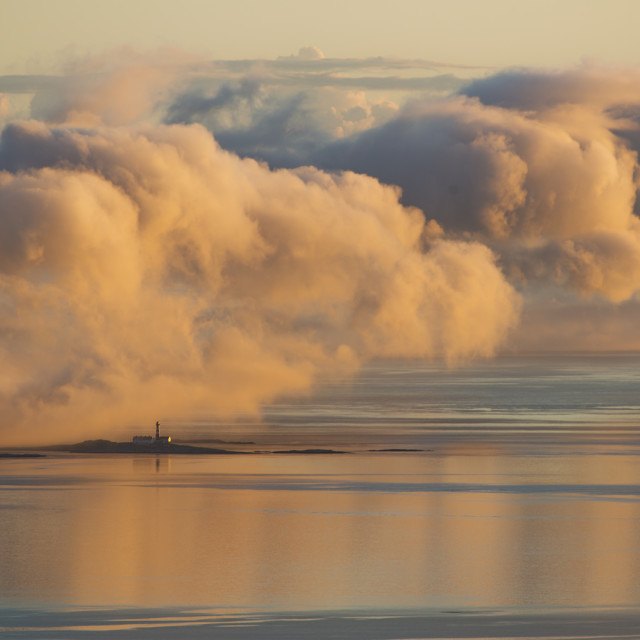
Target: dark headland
148, 444
107, 446
12, 454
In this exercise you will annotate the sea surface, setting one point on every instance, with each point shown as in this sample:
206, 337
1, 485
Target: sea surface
494, 500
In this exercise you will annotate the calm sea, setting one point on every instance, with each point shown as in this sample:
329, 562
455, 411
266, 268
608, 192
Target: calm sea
500, 499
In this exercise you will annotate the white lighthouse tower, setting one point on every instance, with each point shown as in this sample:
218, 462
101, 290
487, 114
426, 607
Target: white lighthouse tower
150, 440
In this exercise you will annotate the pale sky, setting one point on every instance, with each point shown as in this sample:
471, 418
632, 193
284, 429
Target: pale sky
36, 35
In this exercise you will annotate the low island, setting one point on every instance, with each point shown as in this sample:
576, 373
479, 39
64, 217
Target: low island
161, 445
148, 444
139, 444
107, 446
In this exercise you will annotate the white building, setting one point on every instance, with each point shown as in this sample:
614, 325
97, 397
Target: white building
150, 440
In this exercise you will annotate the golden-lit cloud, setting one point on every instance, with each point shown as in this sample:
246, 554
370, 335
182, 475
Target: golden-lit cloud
547, 178
147, 270
158, 261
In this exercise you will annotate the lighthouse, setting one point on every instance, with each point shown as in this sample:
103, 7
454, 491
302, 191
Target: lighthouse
163, 439
150, 440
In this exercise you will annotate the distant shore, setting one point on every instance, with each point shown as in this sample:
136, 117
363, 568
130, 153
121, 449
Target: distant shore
110, 447
13, 454
161, 448
107, 446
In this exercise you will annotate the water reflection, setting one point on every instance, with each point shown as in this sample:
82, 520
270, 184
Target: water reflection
333, 532
147, 464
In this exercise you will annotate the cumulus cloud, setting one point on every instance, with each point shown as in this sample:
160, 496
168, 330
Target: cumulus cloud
306, 53
281, 127
596, 86
122, 96
122, 87
277, 110
550, 184
189, 107
146, 270
149, 261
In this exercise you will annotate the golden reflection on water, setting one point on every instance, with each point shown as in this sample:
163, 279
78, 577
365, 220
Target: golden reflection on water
322, 532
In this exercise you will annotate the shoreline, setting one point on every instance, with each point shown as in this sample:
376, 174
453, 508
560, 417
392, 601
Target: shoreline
110, 447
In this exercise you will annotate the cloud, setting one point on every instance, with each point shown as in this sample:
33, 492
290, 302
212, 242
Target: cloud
552, 191
122, 87
597, 86
306, 53
146, 271
126, 95
147, 260
276, 110
279, 126
189, 107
